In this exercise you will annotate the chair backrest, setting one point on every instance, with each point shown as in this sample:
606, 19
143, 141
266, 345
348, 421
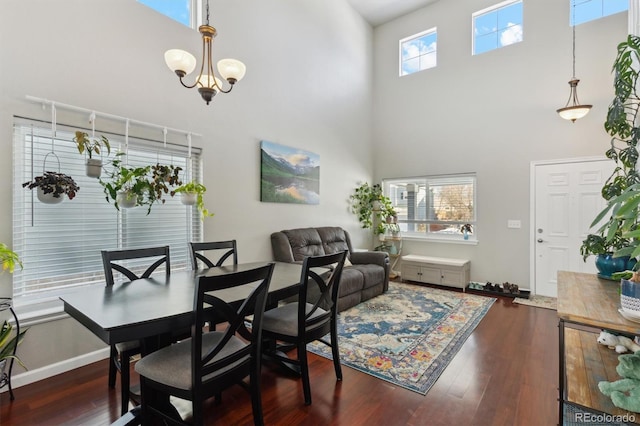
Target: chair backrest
109, 257
207, 304
328, 282
195, 248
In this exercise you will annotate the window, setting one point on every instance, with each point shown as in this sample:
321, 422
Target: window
418, 52
60, 244
588, 10
434, 206
182, 11
497, 26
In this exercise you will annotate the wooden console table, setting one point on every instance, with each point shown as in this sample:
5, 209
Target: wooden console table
587, 304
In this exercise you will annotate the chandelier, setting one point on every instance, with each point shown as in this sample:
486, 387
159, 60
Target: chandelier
183, 63
573, 110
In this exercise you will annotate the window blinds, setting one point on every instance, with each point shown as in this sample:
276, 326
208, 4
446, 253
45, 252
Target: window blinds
60, 244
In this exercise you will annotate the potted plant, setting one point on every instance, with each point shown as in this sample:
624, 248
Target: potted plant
51, 186
90, 146
369, 204
7, 345
192, 193
466, 229
618, 236
139, 186
9, 259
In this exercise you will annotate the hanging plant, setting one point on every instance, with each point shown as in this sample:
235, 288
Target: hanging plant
52, 186
139, 186
91, 146
191, 193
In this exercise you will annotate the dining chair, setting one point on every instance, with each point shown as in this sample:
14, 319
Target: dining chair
210, 361
121, 353
197, 248
302, 322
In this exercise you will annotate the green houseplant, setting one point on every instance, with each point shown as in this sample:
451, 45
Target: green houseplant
617, 235
139, 186
10, 260
369, 204
192, 193
91, 146
51, 186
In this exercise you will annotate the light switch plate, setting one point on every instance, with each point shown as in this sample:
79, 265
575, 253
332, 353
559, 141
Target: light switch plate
513, 223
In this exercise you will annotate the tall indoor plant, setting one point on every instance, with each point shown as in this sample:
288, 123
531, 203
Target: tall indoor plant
370, 205
618, 236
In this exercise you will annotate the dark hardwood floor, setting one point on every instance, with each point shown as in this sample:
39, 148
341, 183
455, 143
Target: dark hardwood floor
505, 374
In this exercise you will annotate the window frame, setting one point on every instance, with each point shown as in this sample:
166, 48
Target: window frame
573, 6
432, 180
195, 13
401, 62
495, 8
90, 272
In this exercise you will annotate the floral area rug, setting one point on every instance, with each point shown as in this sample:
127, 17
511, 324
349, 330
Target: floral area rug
408, 335
538, 302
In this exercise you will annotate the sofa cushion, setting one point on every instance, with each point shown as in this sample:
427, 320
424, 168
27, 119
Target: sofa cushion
334, 239
373, 274
351, 281
305, 242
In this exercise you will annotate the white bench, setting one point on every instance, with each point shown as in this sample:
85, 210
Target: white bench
436, 270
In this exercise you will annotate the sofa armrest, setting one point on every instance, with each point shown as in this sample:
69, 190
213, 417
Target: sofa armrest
281, 247
375, 258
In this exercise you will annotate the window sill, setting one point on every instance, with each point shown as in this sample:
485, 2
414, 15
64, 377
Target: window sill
432, 239
38, 312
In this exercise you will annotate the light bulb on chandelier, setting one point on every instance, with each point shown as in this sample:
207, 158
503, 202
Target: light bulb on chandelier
183, 63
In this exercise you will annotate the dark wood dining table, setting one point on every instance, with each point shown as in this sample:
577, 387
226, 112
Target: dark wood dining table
151, 309
153, 306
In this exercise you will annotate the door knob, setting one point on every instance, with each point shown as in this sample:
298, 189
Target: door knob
540, 240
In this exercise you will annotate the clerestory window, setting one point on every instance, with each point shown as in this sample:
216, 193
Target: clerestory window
497, 26
419, 52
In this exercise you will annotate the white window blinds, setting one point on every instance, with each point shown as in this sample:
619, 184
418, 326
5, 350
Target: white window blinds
60, 244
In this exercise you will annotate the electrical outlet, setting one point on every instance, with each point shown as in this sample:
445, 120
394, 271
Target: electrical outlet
512, 223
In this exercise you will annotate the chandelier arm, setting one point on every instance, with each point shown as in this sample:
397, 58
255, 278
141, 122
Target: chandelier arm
187, 86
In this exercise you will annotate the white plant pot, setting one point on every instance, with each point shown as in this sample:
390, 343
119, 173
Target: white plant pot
126, 199
188, 198
94, 167
49, 198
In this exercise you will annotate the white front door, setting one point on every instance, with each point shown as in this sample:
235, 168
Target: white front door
567, 199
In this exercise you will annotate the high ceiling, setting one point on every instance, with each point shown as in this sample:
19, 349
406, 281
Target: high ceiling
378, 12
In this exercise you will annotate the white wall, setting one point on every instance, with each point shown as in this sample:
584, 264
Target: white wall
491, 114
308, 85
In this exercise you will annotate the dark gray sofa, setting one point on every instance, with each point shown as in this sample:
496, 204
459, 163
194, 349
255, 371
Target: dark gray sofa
365, 275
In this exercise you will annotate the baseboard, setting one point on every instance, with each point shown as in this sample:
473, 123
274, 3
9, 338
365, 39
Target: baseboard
47, 371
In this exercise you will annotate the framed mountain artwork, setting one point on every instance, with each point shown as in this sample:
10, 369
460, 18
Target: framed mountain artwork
289, 175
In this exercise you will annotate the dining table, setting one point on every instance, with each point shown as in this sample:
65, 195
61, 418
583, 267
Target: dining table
151, 309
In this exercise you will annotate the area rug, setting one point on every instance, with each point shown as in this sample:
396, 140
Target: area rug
538, 302
408, 335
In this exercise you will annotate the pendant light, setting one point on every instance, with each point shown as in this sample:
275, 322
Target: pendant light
573, 110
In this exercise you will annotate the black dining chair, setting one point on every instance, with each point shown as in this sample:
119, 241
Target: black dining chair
302, 322
210, 361
121, 353
218, 247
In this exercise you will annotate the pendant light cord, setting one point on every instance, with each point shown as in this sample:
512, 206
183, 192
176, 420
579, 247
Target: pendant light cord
573, 25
